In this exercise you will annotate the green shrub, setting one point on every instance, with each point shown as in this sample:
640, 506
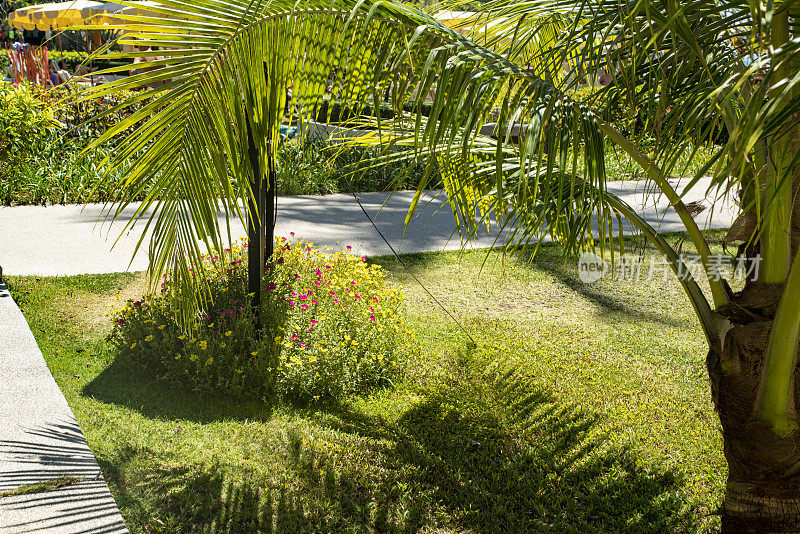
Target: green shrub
312, 168
60, 172
331, 328
43, 136
303, 169
26, 122
338, 112
72, 60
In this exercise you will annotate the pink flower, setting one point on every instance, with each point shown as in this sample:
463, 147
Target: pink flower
291, 303
304, 306
298, 276
349, 247
137, 303
327, 266
270, 286
294, 337
352, 282
333, 292
314, 302
291, 234
371, 317
310, 328
375, 299
336, 300
319, 273
358, 297
303, 297
314, 321
363, 258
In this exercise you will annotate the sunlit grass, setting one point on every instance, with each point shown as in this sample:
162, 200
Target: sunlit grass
576, 409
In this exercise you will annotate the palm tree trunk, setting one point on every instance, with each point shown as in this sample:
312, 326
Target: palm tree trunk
762, 493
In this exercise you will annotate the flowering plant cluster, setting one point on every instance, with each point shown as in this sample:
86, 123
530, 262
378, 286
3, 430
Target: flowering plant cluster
331, 327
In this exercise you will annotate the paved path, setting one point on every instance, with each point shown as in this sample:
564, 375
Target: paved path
66, 240
41, 441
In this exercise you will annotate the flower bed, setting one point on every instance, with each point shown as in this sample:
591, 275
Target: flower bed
331, 328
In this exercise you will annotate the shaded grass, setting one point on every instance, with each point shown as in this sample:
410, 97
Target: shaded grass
577, 409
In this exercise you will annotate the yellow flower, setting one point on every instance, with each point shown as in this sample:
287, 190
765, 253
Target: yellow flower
182, 336
161, 327
254, 353
149, 338
312, 359
178, 357
211, 325
134, 345
294, 359
228, 333
222, 345
193, 357
203, 345
209, 361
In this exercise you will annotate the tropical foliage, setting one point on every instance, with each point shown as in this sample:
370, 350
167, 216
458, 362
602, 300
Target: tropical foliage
331, 328
691, 74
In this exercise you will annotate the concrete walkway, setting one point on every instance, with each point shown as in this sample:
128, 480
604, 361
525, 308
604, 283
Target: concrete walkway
40, 441
67, 240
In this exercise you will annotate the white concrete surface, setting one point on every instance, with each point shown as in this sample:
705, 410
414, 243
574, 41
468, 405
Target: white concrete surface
41, 441
67, 240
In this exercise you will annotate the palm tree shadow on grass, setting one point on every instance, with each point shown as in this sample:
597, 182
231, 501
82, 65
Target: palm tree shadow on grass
495, 456
118, 384
551, 260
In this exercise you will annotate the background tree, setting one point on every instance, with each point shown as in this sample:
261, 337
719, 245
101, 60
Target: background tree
685, 74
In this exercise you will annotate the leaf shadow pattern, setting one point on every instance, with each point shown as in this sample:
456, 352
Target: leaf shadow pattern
632, 308
485, 454
511, 458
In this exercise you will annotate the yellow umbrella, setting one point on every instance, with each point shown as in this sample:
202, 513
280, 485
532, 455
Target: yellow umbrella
21, 19
74, 13
64, 15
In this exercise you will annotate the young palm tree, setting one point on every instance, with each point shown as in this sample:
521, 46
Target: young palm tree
684, 74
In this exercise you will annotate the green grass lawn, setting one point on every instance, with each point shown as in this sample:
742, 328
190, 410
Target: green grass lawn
576, 409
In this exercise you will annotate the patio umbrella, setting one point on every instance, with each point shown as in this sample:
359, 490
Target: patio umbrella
21, 18
73, 14
65, 15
